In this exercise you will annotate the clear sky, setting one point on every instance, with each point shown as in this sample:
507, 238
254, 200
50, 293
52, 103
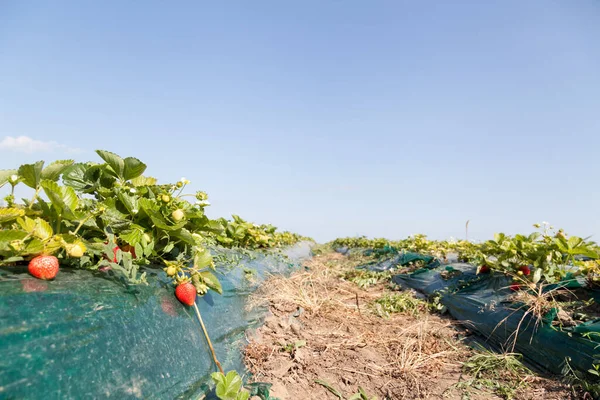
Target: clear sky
328, 118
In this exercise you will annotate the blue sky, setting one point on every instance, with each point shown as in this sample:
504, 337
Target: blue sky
328, 118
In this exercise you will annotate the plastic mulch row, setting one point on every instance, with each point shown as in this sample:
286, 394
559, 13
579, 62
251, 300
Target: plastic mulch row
482, 303
84, 335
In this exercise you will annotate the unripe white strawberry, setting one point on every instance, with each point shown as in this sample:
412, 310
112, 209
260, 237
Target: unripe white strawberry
178, 215
75, 250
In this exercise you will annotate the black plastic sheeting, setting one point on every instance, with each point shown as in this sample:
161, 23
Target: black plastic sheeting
84, 336
482, 303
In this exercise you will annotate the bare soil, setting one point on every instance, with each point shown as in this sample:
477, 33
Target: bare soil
322, 331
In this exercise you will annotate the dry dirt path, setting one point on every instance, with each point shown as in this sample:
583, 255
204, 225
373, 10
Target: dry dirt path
323, 335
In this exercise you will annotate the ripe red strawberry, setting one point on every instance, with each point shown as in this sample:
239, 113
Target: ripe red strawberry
44, 267
484, 269
115, 253
515, 287
186, 293
525, 270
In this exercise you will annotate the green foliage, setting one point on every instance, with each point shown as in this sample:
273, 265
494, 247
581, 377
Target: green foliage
292, 347
415, 243
403, 302
110, 215
365, 278
588, 382
229, 387
361, 242
552, 254
240, 233
502, 373
549, 255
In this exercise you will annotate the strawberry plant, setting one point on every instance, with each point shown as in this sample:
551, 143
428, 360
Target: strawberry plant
108, 216
229, 387
403, 302
550, 256
241, 233
416, 243
546, 255
365, 278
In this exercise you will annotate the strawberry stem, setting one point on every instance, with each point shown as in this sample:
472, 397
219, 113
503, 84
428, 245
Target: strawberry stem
83, 221
35, 195
212, 350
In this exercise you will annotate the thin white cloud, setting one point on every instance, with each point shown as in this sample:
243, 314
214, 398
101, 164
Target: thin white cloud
25, 144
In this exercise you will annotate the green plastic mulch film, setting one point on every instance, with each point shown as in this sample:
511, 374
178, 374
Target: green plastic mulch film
482, 303
85, 335
389, 258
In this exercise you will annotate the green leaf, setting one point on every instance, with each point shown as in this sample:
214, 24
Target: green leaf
5, 175
12, 234
133, 235
34, 246
184, 235
161, 223
202, 259
170, 246
243, 396
28, 224
211, 281
139, 250
330, 388
143, 181
10, 260
130, 202
37, 227
69, 197
218, 378
213, 226
228, 386
63, 198
113, 217
75, 177
574, 241
133, 168
8, 214
584, 251
537, 275
31, 174
147, 250
561, 244
116, 163
148, 205
42, 230
52, 172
